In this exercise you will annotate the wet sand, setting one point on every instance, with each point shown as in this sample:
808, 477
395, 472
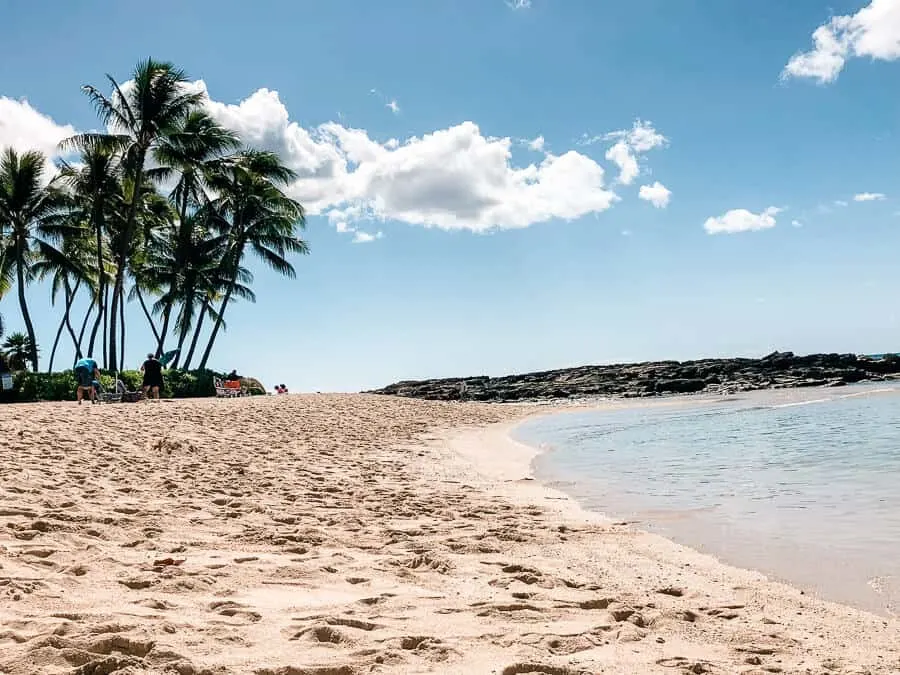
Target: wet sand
336, 535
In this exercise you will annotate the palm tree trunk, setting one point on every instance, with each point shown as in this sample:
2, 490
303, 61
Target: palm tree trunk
181, 338
101, 288
87, 316
121, 363
140, 297
105, 325
98, 301
114, 311
167, 311
235, 260
67, 317
164, 331
65, 323
190, 354
218, 323
123, 253
62, 325
23, 304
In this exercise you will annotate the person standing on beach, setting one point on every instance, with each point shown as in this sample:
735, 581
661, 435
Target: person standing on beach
153, 377
86, 371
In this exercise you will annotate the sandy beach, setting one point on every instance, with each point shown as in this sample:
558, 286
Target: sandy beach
350, 534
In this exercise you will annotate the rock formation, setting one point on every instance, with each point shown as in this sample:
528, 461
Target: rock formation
777, 370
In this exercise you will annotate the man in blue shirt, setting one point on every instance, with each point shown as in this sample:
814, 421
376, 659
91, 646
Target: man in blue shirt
86, 371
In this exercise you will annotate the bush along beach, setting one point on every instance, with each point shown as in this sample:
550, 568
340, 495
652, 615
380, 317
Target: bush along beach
30, 387
165, 210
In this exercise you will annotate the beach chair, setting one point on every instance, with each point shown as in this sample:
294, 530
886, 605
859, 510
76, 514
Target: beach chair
128, 396
103, 396
227, 389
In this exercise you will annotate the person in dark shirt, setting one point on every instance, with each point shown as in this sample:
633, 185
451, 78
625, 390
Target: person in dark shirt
153, 377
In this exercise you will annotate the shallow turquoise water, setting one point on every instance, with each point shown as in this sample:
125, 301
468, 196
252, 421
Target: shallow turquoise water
804, 486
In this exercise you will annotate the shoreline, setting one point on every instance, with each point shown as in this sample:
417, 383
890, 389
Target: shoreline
350, 534
507, 466
825, 586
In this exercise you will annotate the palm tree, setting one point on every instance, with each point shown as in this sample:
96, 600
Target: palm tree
19, 350
154, 104
69, 269
207, 280
185, 263
95, 185
194, 151
29, 210
255, 215
155, 214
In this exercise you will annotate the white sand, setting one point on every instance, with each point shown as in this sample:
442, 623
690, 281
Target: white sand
336, 535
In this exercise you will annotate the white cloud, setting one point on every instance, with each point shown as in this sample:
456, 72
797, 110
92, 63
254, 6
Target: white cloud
657, 194
629, 145
796, 223
620, 154
841, 202
24, 128
741, 220
364, 237
874, 32
453, 178
389, 103
518, 4
642, 137
869, 197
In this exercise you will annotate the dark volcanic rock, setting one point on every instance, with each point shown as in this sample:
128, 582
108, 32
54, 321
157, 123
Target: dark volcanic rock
777, 370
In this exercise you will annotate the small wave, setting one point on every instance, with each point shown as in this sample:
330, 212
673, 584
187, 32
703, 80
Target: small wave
799, 403
869, 392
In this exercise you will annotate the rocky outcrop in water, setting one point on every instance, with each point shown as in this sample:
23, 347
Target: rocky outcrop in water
777, 370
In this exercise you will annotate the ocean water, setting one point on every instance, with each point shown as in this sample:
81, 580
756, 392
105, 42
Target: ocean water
803, 485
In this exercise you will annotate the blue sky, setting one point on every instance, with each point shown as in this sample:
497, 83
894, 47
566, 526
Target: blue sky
491, 253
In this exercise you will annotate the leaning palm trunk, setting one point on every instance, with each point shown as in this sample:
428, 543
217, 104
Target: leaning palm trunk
59, 331
181, 339
190, 355
84, 323
218, 323
149, 317
98, 301
164, 331
67, 319
66, 323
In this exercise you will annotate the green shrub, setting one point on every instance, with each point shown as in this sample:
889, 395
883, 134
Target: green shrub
44, 386
61, 386
189, 384
132, 379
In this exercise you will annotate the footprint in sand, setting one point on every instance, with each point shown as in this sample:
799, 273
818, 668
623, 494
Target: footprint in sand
322, 634
539, 669
234, 610
307, 670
